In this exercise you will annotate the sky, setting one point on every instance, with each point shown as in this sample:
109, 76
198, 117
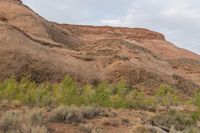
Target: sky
178, 20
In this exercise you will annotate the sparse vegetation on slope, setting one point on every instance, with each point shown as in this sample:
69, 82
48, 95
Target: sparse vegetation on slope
68, 102
69, 92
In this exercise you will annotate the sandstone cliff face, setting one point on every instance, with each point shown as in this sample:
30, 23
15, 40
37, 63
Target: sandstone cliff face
34, 47
151, 40
14, 14
135, 34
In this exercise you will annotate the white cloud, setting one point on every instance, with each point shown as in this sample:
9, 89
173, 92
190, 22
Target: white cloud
179, 20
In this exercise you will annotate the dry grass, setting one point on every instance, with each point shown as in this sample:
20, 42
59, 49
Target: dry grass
180, 121
20, 122
74, 114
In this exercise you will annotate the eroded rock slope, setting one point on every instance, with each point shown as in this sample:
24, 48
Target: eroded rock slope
41, 50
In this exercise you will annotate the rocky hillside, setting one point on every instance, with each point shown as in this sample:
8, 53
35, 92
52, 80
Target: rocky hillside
41, 50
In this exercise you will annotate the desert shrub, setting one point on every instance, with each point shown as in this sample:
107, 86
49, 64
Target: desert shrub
141, 129
85, 128
66, 92
20, 122
180, 121
91, 112
9, 121
44, 95
73, 114
121, 88
8, 88
102, 95
66, 115
69, 92
166, 95
27, 92
119, 92
87, 95
195, 115
117, 101
196, 98
105, 95
138, 100
187, 130
191, 130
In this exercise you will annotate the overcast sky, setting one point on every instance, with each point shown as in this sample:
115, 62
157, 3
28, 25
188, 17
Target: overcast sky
178, 20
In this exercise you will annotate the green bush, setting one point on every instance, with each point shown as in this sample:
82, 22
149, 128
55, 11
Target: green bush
8, 89
102, 95
87, 95
121, 88
118, 101
138, 100
69, 92
195, 115
196, 98
166, 95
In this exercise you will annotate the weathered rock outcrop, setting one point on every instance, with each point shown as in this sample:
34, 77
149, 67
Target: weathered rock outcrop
150, 40
42, 50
